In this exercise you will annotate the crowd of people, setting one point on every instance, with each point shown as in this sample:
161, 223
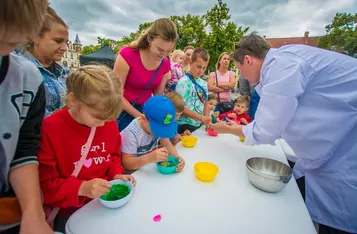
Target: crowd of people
65, 135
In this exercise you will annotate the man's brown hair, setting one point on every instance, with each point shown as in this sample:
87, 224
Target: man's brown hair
24, 16
252, 45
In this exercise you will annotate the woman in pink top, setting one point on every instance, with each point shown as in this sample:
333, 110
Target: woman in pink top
226, 82
137, 64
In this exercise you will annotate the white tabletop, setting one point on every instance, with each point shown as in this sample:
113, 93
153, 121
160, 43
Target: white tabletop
229, 204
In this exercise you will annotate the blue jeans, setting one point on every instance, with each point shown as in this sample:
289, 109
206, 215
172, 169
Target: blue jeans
125, 119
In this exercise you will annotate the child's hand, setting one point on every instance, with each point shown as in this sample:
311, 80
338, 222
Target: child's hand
159, 155
176, 139
94, 188
216, 114
129, 178
243, 121
232, 115
187, 133
206, 120
181, 164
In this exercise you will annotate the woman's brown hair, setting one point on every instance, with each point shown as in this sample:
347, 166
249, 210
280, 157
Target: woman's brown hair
51, 17
164, 28
218, 65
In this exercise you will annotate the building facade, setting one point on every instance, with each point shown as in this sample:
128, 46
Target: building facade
71, 56
305, 40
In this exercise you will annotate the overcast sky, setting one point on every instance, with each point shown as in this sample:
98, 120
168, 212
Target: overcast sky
273, 18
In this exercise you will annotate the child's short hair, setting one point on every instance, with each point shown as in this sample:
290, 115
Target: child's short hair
212, 97
98, 88
243, 99
174, 54
24, 16
177, 100
200, 53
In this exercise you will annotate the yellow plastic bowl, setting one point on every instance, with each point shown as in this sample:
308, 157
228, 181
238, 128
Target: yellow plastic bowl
189, 141
242, 139
205, 171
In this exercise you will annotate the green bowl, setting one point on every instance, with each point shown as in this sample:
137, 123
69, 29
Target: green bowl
169, 166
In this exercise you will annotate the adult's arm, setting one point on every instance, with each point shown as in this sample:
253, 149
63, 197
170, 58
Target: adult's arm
161, 89
23, 176
228, 85
121, 70
212, 87
285, 80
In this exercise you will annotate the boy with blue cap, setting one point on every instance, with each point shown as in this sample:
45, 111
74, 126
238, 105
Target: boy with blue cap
141, 138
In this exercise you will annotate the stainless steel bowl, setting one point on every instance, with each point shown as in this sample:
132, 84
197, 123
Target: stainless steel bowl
267, 174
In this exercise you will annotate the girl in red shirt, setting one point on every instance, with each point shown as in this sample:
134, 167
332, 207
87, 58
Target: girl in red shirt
94, 99
239, 114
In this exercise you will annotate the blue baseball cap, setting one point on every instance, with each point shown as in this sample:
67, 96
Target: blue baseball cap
161, 113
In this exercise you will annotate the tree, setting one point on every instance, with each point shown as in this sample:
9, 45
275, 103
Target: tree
341, 34
191, 30
223, 33
115, 45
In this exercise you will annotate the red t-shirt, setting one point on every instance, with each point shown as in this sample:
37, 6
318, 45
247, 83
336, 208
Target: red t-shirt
62, 141
138, 76
238, 118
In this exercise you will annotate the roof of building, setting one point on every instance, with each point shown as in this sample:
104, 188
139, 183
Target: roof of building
77, 41
279, 42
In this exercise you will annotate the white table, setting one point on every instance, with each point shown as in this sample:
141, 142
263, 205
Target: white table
228, 205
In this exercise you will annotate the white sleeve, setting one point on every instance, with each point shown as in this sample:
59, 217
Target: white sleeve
284, 81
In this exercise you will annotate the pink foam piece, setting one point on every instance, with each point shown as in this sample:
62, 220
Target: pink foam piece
157, 218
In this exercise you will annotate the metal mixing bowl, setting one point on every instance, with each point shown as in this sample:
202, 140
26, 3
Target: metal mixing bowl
267, 174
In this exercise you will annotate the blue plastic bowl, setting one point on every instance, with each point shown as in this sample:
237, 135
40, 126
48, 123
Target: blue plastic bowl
167, 169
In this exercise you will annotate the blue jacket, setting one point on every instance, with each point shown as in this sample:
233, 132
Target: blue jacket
55, 85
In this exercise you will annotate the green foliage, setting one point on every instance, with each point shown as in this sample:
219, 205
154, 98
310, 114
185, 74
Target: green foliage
341, 34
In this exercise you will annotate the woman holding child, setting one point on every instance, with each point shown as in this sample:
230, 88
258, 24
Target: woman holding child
221, 82
144, 69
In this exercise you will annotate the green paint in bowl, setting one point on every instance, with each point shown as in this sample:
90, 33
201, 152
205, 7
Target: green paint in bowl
121, 190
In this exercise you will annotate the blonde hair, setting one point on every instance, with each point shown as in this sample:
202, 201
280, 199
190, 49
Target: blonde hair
51, 17
220, 58
174, 54
243, 99
97, 87
200, 53
24, 16
163, 27
177, 100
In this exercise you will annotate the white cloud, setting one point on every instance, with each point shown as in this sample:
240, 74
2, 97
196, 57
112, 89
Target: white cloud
274, 18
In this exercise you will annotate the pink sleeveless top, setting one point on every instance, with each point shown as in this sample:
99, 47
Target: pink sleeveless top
224, 96
138, 76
